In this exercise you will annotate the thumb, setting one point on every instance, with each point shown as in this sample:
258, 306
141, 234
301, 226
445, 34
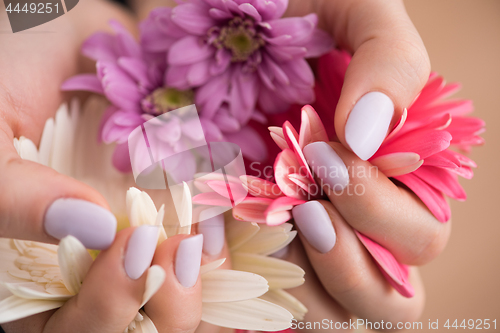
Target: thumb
37, 203
388, 69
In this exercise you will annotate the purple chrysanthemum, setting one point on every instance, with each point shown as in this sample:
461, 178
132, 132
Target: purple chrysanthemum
133, 81
240, 54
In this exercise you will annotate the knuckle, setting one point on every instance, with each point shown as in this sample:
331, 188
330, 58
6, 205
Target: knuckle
437, 240
414, 62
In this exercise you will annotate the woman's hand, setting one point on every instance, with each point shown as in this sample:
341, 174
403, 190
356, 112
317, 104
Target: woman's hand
34, 64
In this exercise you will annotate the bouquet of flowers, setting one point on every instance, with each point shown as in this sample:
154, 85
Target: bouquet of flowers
244, 67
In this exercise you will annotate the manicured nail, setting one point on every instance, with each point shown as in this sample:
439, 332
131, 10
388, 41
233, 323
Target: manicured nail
315, 224
140, 250
212, 230
91, 224
327, 165
368, 122
188, 260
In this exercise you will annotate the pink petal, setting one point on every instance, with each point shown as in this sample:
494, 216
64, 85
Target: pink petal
311, 127
252, 209
189, 50
291, 137
403, 170
177, 77
286, 163
320, 43
395, 160
278, 137
198, 73
212, 199
430, 196
395, 273
398, 127
422, 142
443, 180
193, 18
278, 211
87, 82
231, 190
121, 158
260, 187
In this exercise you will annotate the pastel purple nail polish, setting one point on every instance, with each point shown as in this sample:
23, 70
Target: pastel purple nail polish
188, 260
313, 221
212, 230
91, 224
140, 250
368, 123
327, 165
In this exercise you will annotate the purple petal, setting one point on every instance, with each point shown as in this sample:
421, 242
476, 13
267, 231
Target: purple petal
121, 158
250, 11
276, 72
319, 44
126, 44
211, 130
212, 94
218, 14
225, 121
198, 73
270, 103
193, 17
271, 9
299, 73
299, 28
243, 96
87, 82
189, 50
286, 53
100, 46
176, 76
137, 69
222, 61
250, 142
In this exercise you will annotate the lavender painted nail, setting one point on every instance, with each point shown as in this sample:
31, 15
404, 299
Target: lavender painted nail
140, 250
315, 224
91, 224
327, 165
368, 122
212, 230
188, 260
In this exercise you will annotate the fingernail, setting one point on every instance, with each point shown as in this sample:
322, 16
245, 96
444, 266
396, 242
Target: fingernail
91, 224
212, 230
140, 250
188, 260
368, 122
315, 224
327, 165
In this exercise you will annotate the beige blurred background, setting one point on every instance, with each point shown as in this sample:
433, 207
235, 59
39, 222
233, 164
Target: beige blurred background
463, 41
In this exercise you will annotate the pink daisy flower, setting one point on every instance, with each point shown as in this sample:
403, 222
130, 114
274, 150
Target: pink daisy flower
133, 81
417, 151
272, 203
239, 54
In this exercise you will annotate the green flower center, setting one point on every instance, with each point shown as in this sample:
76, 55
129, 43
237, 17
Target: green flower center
163, 100
240, 37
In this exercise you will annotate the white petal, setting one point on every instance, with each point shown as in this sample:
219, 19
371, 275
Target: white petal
62, 147
154, 280
46, 142
280, 274
132, 193
159, 222
254, 314
24, 291
211, 266
223, 285
74, 262
186, 214
142, 210
287, 301
268, 240
239, 232
146, 324
14, 308
27, 150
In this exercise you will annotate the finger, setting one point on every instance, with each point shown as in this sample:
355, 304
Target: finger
113, 289
44, 205
375, 206
176, 307
347, 271
389, 67
320, 305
